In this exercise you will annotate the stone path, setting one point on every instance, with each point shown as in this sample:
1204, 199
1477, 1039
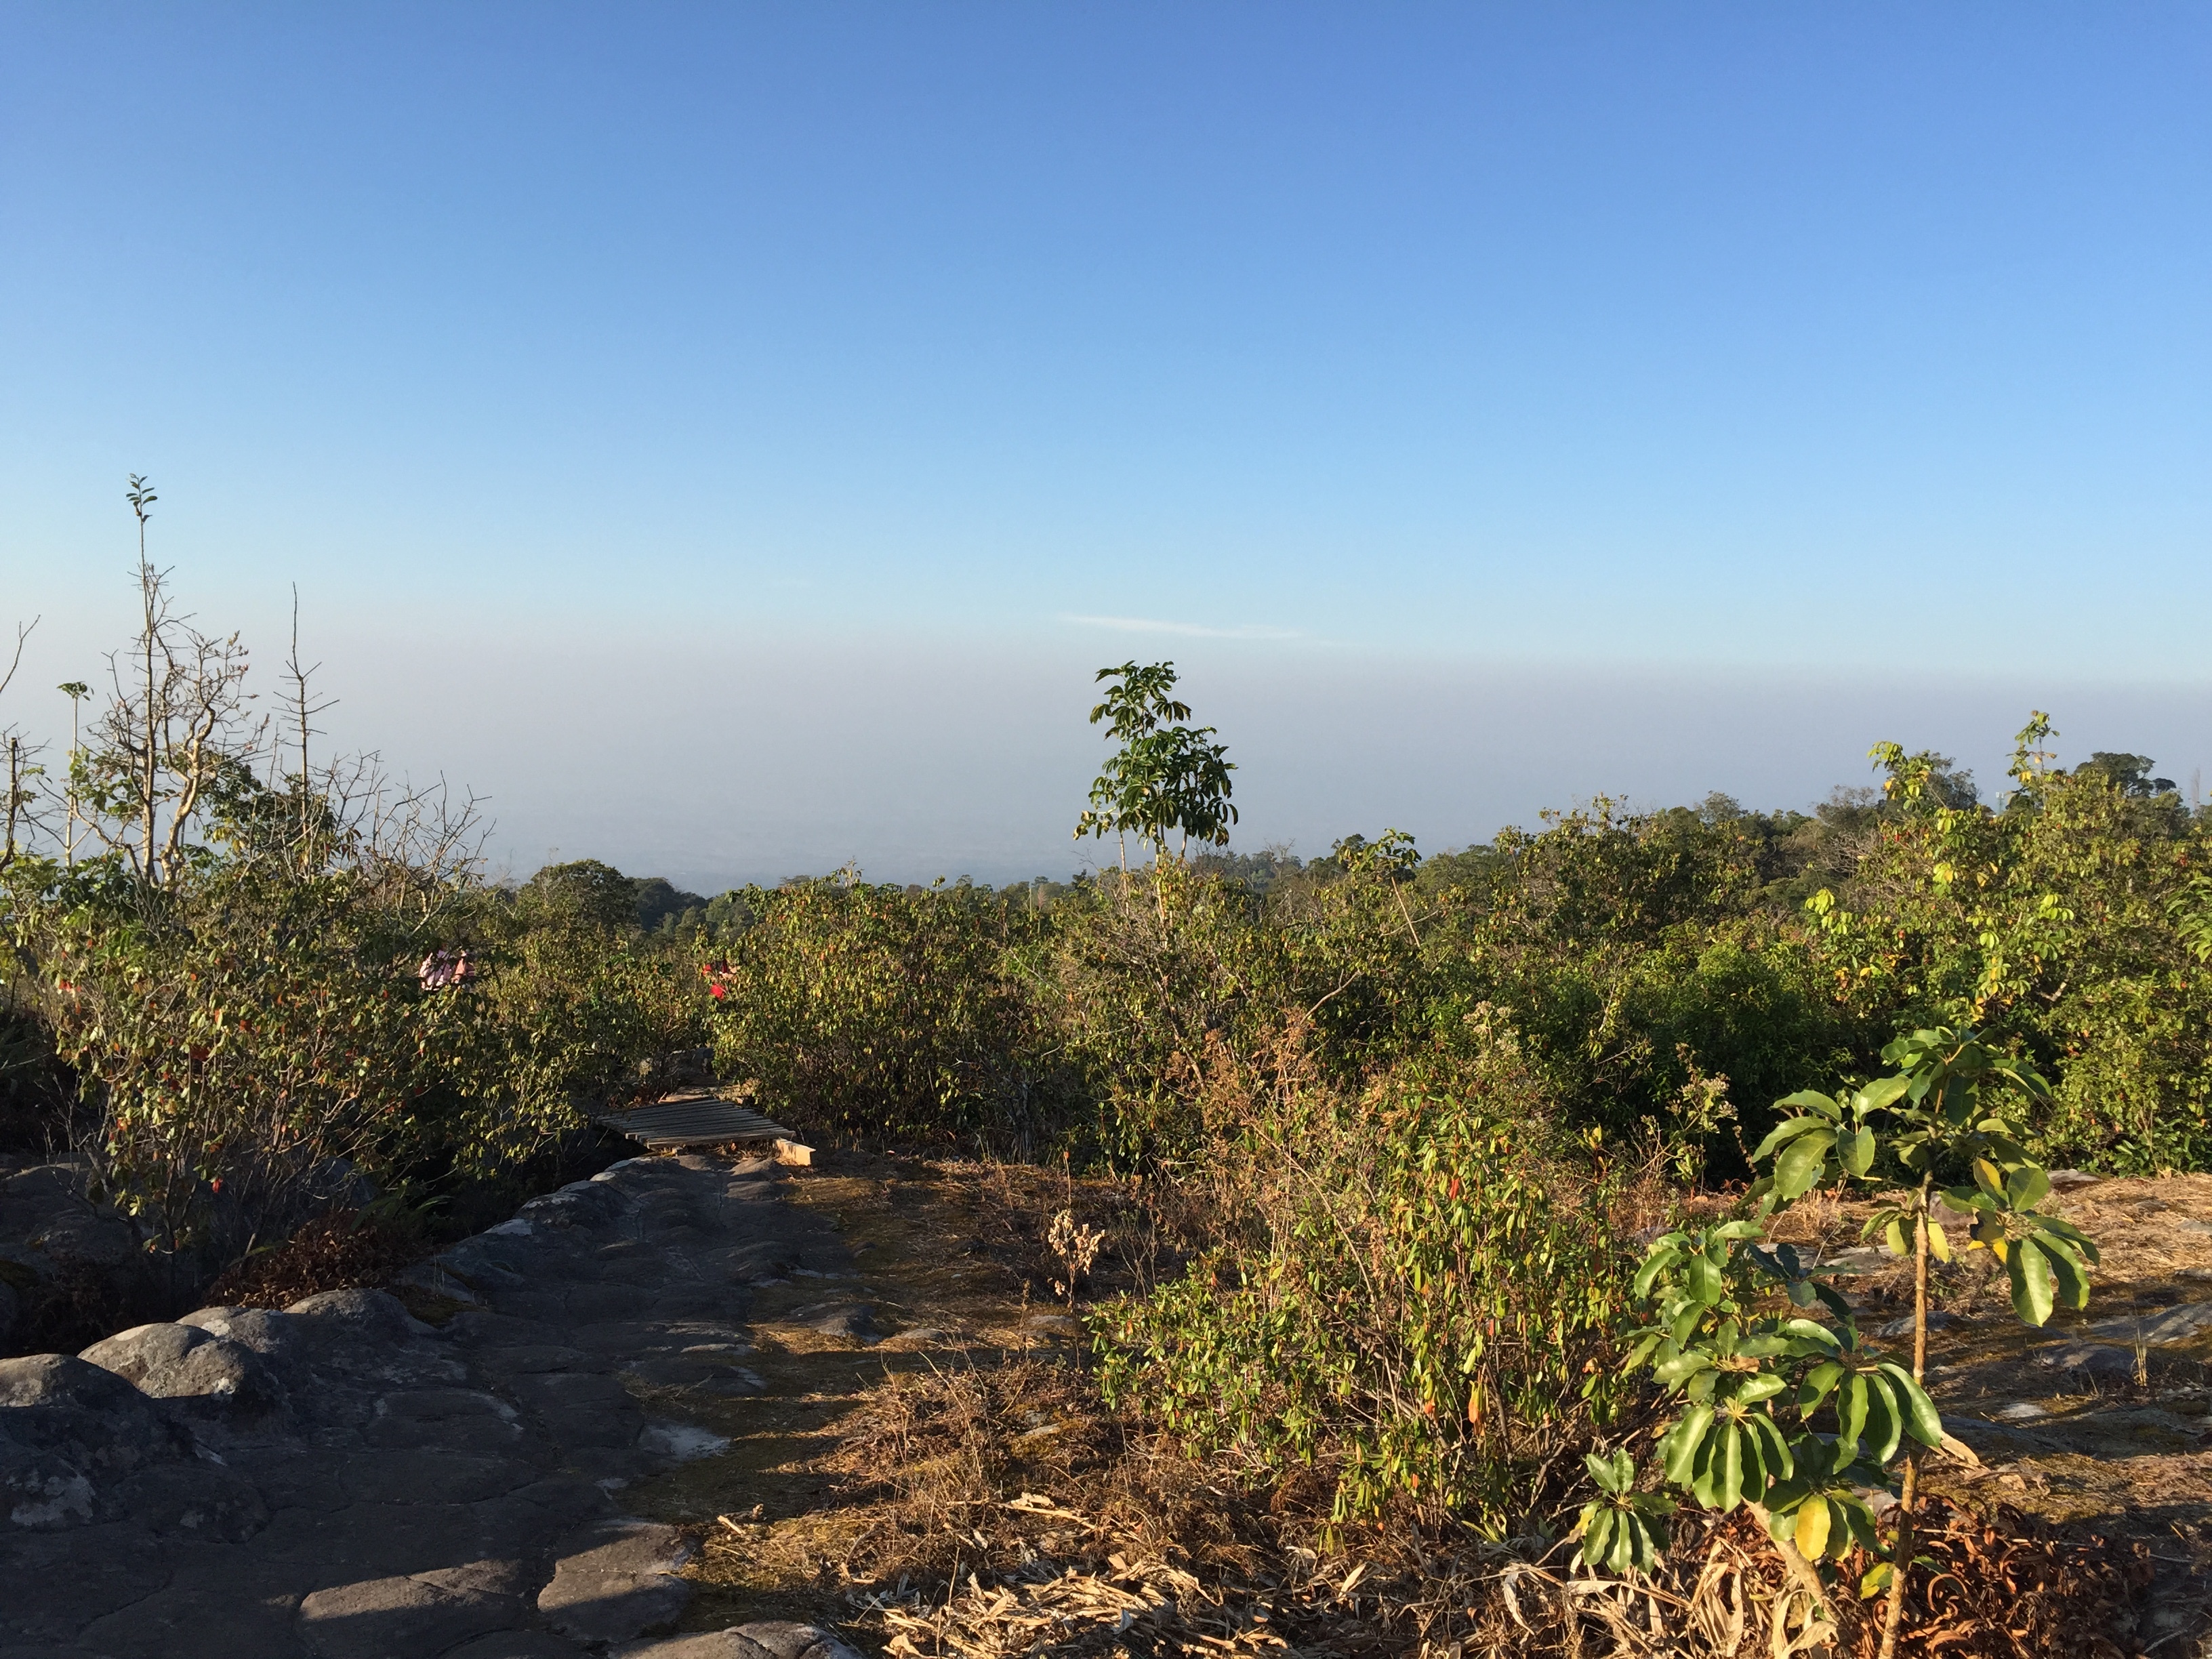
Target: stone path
340, 1480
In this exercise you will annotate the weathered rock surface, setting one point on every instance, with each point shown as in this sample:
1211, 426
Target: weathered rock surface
855, 1319
339, 1479
50, 1224
618, 1579
55, 1244
766, 1640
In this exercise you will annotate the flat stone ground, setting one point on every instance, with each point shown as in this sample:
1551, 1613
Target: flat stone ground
342, 1479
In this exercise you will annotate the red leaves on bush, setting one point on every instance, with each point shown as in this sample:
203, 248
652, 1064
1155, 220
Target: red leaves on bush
2006, 1585
338, 1250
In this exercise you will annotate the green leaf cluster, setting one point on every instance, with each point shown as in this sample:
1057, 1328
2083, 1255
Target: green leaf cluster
1166, 777
1795, 1414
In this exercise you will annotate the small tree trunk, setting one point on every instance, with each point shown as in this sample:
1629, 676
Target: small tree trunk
15, 767
1398, 892
69, 852
1901, 1552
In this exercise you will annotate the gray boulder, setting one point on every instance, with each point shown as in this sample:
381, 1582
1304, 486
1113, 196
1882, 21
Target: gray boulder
579, 1203
2162, 1329
856, 1320
188, 1363
72, 1438
380, 1617
70, 1399
2099, 1360
273, 1335
374, 1313
45, 1209
766, 1639
617, 1581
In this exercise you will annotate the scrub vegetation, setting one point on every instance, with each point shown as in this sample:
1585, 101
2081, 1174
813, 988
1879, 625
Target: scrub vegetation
1465, 1181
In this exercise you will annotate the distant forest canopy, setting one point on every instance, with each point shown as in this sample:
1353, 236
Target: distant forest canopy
1787, 855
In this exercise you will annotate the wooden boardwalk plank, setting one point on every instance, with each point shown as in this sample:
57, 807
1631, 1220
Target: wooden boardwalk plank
690, 1120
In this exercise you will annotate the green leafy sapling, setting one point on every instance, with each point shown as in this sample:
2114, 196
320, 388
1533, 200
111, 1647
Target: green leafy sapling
1940, 1126
1166, 777
1731, 1336
1797, 1418
1622, 1528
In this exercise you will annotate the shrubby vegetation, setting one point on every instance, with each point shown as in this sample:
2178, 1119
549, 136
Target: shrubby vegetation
240, 983
1409, 1288
1411, 1110
1669, 975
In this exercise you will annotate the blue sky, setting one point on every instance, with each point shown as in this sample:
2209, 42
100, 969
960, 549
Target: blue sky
729, 436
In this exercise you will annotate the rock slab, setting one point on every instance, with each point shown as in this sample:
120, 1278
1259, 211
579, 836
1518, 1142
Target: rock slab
338, 1479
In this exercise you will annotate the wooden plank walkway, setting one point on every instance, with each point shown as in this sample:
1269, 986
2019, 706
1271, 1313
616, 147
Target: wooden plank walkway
695, 1120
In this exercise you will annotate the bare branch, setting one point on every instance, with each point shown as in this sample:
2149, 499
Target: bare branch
23, 632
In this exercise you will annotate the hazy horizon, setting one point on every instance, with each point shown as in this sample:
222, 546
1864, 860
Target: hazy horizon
729, 437
714, 762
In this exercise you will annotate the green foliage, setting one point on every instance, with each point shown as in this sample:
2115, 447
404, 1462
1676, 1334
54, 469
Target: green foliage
2071, 915
1730, 1331
1144, 981
561, 1017
1730, 1336
661, 906
1944, 1128
1416, 1298
1165, 777
1669, 972
234, 1039
237, 1036
1621, 1528
871, 1012
584, 891
230, 972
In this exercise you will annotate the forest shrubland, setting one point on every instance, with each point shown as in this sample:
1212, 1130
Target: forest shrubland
1413, 1120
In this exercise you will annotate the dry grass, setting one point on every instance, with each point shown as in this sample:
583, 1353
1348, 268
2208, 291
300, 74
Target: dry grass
979, 1501
338, 1250
1008, 1514
2004, 1585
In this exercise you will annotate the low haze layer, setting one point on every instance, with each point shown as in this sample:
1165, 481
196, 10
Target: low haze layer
730, 437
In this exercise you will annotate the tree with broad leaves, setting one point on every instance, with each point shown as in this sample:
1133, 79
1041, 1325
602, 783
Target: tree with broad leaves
1167, 776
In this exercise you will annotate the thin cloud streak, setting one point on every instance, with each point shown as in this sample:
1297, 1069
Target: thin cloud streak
1196, 631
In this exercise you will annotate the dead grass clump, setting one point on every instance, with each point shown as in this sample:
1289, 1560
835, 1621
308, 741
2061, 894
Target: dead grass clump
338, 1250
2005, 1585
1817, 1220
930, 1453
1142, 1607
1994, 1589
1008, 1513
1144, 1228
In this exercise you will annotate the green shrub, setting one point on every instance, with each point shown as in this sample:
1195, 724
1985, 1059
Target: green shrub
2066, 915
1133, 979
232, 1038
563, 1015
876, 1012
241, 1035
1413, 1298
